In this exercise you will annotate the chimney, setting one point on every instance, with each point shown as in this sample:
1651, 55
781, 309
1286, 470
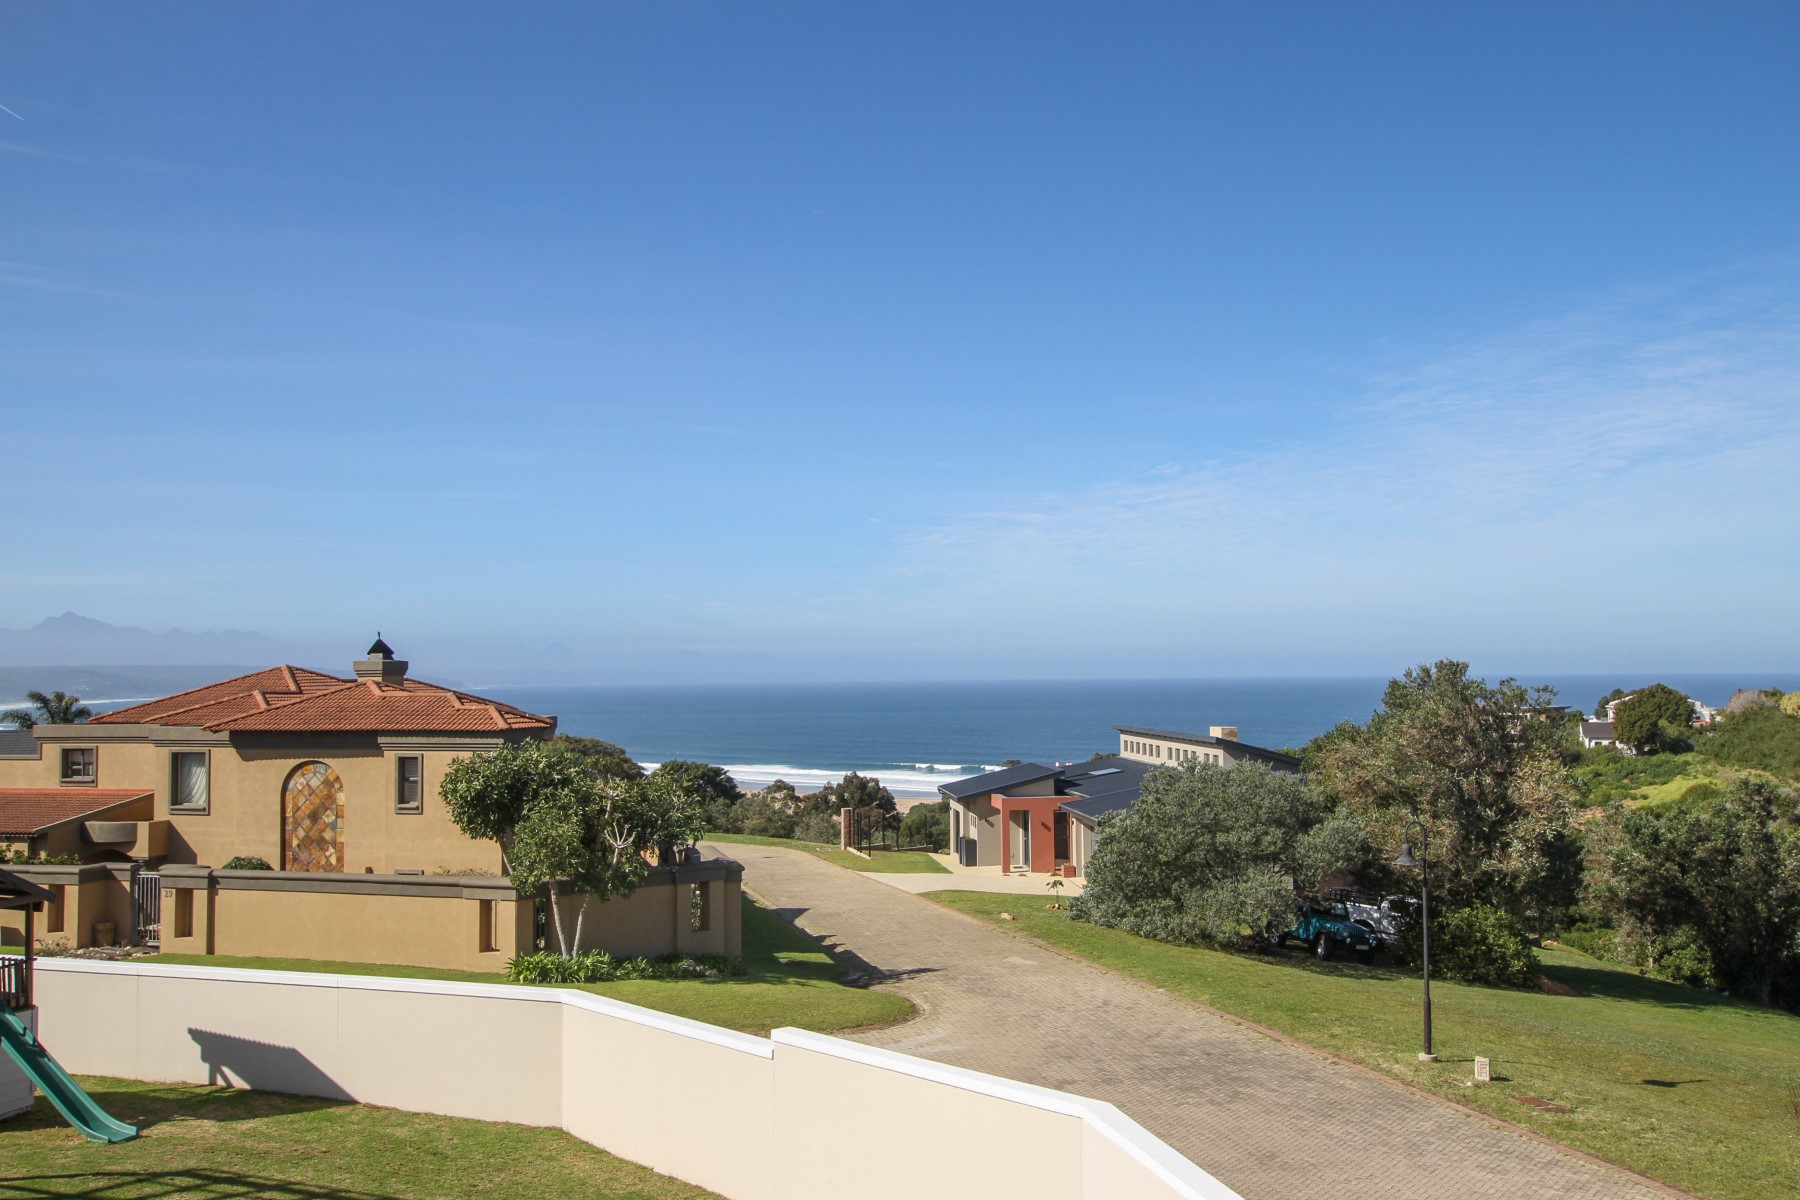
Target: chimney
1225, 732
381, 665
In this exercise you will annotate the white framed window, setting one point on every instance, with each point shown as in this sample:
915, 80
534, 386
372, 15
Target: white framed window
190, 782
409, 784
80, 764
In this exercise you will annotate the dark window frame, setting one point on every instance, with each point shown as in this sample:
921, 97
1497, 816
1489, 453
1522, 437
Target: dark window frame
175, 802
93, 763
414, 805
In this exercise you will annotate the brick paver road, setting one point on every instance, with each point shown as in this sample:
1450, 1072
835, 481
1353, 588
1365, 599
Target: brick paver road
1270, 1120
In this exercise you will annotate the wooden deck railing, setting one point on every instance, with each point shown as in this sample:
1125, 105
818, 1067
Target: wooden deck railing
15, 981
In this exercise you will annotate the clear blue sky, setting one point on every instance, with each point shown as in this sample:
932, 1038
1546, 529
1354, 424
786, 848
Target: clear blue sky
889, 340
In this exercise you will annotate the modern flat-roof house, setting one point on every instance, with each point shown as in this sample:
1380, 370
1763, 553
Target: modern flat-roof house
1037, 818
334, 783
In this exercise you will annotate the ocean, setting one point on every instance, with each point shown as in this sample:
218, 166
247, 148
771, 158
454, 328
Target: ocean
916, 736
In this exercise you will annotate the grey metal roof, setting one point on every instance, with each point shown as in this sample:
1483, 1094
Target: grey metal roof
1597, 729
1103, 785
1201, 739
996, 781
17, 743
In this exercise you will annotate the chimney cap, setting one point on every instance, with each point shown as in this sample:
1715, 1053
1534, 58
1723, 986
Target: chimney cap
381, 649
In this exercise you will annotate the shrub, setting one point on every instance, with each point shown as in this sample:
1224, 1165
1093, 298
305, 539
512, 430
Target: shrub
1595, 941
597, 966
927, 825
817, 827
1476, 943
247, 862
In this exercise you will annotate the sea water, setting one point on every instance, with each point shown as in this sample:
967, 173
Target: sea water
916, 736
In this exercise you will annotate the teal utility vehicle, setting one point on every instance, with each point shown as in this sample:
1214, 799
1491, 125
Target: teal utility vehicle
1326, 927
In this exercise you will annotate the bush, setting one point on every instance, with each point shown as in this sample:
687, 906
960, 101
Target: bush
815, 826
1595, 941
597, 966
927, 825
1763, 738
1477, 943
246, 862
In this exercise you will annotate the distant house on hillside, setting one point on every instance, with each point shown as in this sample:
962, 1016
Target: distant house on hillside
1598, 733
1037, 818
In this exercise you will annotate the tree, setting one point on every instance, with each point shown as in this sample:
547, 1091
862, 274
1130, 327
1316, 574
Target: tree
1485, 779
1720, 879
1654, 718
56, 708
1213, 854
771, 812
562, 823
609, 760
926, 824
857, 791
716, 792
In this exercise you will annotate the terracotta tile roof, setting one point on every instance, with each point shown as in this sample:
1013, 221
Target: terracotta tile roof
232, 694
28, 811
293, 699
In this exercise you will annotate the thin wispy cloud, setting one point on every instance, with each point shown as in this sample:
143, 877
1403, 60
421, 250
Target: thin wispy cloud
1574, 444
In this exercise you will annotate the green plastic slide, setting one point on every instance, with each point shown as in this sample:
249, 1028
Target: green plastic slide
76, 1106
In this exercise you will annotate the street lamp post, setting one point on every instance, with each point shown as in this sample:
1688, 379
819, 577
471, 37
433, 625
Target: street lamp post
1422, 862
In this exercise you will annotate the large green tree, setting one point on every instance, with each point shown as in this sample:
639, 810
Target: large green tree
1473, 763
712, 788
1722, 876
1654, 718
56, 708
1213, 854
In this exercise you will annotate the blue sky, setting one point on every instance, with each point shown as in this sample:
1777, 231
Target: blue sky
912, 340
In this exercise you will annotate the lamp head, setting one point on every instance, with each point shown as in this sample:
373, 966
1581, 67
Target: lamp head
1406, 858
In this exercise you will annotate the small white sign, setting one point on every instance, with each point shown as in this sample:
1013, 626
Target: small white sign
1484, 1071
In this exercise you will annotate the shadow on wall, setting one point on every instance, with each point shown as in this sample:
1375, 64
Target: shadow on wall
240, 1062
156, 1185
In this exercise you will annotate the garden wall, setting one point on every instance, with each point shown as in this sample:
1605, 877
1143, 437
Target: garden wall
778, 1118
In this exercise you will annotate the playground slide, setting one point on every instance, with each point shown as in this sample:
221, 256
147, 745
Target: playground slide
76, 1106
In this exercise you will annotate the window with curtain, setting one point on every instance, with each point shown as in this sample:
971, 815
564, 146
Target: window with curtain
192, 790
409, 794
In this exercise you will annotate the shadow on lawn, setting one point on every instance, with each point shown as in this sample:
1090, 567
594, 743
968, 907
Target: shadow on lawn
148, 1107
157, 1185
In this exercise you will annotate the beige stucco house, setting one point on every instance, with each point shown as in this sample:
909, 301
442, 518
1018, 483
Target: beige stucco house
334, 783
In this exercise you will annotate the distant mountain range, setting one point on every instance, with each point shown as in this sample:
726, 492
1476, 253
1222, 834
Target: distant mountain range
92, 658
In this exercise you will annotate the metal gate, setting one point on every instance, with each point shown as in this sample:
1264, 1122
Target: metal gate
146, 898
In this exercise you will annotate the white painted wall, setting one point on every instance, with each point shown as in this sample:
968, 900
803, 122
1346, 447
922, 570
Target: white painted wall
777, 1118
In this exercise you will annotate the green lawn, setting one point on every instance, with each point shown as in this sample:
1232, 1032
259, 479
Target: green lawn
1673, 1082
885, 862
215, 1142
790, 980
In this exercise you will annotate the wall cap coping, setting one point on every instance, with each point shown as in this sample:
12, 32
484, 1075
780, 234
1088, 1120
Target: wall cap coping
64, 873
468, 887
729, 1039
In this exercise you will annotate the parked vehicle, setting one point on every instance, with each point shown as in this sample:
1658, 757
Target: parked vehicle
1383, 916
1326, 926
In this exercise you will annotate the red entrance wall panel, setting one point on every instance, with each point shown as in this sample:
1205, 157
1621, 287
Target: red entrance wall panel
1042, 810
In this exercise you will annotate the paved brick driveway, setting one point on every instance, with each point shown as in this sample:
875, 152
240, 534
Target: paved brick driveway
1270, 1120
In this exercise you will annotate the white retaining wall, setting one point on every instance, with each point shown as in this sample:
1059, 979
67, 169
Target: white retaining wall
780, 1118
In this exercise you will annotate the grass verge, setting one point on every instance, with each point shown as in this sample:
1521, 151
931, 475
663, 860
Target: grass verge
788, 980
216, 1142
882, 862
1672, 1082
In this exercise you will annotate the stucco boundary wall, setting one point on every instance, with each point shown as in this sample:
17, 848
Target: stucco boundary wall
785, 1117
